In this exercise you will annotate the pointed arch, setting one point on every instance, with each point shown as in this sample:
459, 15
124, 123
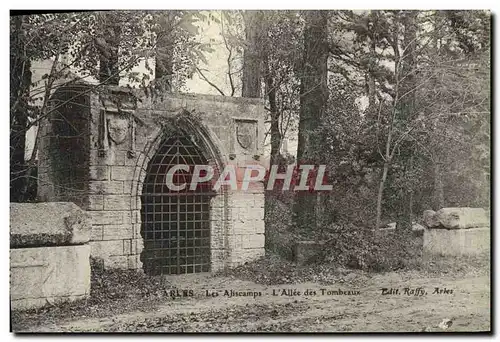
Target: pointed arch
207, 144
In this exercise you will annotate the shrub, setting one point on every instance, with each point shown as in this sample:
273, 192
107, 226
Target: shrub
362, 248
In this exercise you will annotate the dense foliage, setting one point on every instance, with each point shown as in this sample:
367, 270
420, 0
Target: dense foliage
99, 48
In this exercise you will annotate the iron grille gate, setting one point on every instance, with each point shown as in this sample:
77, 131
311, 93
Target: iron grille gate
175, 224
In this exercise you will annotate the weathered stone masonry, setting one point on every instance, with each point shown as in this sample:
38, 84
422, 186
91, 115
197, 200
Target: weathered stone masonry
101, 162
49, 254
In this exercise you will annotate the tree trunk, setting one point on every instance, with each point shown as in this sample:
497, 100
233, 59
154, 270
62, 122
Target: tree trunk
275, 129
407, 105
370, 84
20, 80
164, 67
380, 195
252, 54
275, 137
108, 51
410, 202
313, 100
370, 77
438, 188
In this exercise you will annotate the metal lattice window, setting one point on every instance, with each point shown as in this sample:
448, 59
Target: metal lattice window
175, 224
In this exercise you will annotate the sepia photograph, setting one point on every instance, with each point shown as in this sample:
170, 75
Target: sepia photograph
250, 171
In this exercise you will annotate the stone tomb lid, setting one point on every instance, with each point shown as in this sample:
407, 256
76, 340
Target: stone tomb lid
48, 224
457, 218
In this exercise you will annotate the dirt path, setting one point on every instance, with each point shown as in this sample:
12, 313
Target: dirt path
466, 302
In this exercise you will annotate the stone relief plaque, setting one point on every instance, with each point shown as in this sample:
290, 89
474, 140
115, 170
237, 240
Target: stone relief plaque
118, 128
246, 134
115, 128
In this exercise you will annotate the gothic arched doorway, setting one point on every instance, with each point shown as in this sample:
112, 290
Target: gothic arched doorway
175, 224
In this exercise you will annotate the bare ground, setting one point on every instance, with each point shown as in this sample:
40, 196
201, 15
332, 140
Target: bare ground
468, 307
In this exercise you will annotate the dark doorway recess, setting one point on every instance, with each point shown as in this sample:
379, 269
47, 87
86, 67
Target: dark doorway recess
175, 224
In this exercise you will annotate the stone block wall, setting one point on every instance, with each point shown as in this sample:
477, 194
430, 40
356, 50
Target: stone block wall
247, 238
64, 147
126, 129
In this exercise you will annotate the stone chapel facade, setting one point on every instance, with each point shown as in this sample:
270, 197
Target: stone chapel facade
109, 153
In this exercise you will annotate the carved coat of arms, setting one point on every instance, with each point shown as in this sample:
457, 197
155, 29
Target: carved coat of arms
246, 134
118, 129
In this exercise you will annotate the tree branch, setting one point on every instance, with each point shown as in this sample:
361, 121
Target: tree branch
208, 81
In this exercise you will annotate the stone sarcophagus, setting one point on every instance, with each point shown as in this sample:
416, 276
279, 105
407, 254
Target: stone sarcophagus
457, 231
112, 153
49, 254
